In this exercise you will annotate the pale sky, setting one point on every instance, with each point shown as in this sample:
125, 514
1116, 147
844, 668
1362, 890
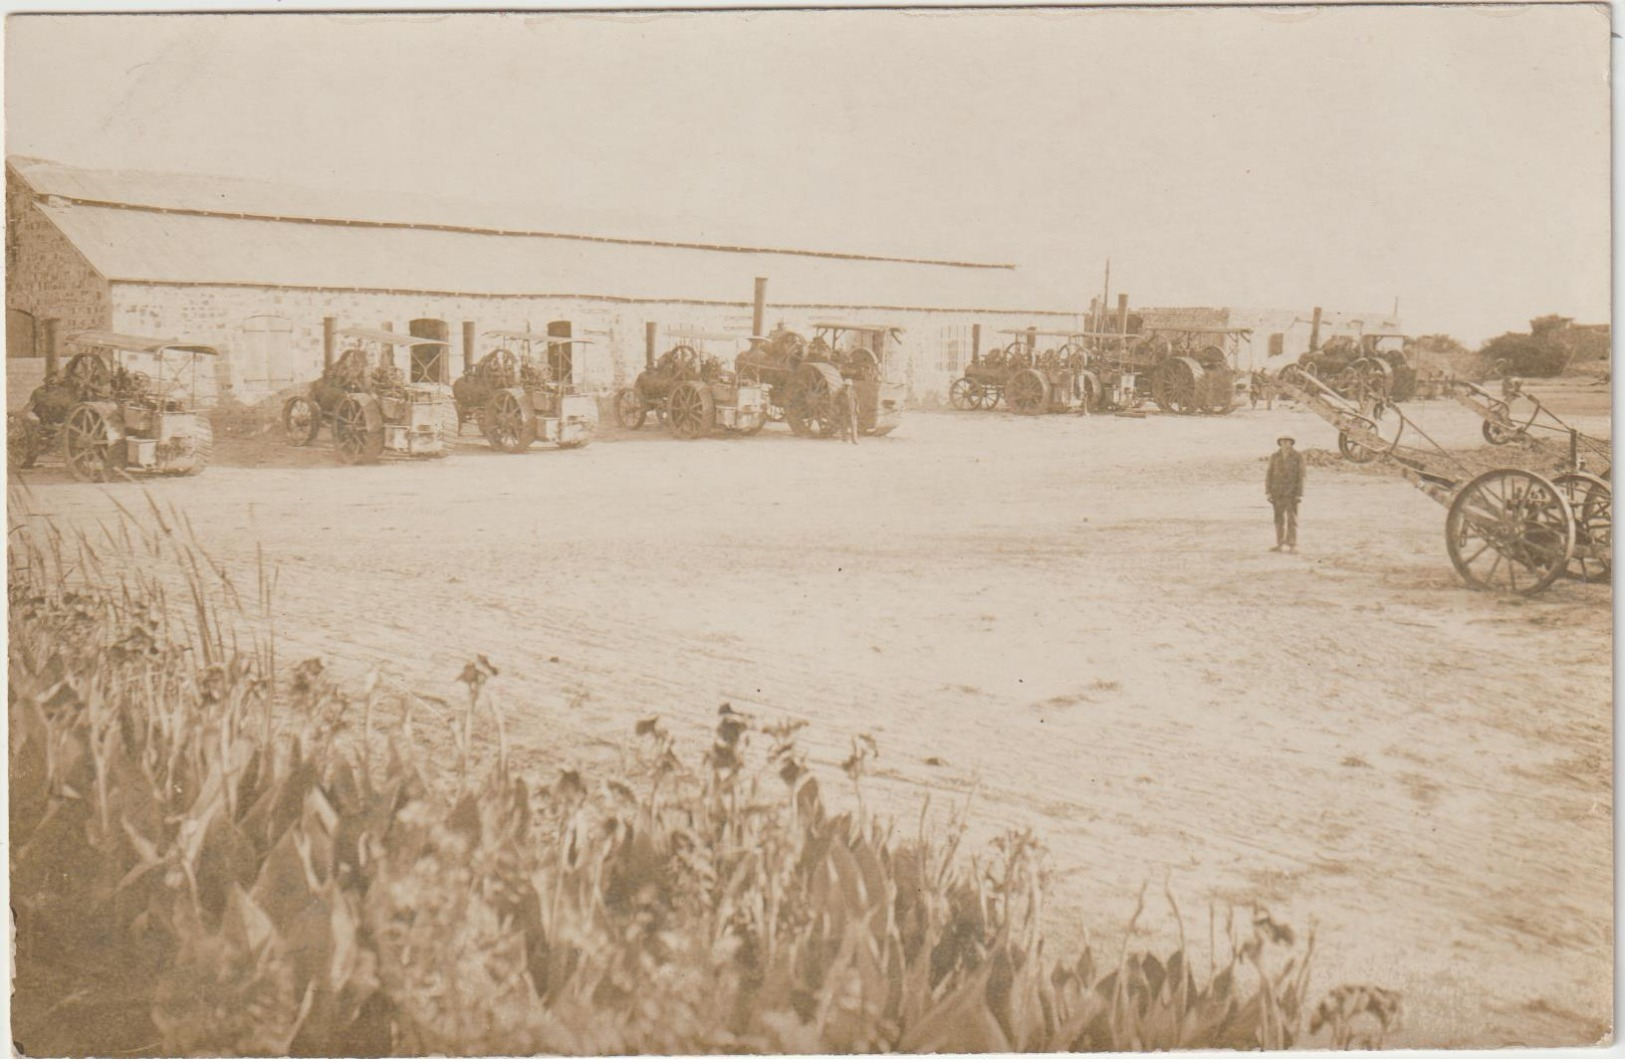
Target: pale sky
1456, 159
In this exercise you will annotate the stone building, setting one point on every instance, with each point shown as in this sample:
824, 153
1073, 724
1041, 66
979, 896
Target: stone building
252, 268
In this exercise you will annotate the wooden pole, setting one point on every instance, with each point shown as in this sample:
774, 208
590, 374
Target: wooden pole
649, 329
468, 345
50, 326
758, 317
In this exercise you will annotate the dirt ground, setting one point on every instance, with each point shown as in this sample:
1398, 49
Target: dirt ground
1078, 618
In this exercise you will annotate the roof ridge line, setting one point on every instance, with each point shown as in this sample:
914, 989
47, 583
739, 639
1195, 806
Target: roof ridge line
478, 230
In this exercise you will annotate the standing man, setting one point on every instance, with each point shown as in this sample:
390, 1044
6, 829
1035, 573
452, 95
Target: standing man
846, 411
1283, 486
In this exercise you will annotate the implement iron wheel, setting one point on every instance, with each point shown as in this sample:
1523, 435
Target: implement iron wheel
1510, 530
1592, 500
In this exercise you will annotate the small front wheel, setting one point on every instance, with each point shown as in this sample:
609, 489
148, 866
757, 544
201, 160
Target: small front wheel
301, 421
629, 409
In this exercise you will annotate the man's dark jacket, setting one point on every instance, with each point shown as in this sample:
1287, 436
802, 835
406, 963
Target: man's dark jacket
1283, 482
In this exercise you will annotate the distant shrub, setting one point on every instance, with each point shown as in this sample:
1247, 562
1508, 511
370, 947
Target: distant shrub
209, 860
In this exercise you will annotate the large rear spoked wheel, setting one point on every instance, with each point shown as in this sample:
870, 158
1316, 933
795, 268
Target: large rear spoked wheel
1176, 385
507, 428
1027, 392
86, 448
690, 411
356, 440
1510, 530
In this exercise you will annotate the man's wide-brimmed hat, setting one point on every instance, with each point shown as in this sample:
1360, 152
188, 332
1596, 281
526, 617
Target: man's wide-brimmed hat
1286, 439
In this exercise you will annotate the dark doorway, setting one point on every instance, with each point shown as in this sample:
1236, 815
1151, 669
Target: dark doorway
20, 335
430, 364
561, 357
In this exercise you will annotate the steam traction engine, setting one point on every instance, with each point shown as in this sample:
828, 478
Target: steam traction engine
368, 405
693, 392
1368, 367
1052, 380
1192, 372
806, 377
110, 415
520, 398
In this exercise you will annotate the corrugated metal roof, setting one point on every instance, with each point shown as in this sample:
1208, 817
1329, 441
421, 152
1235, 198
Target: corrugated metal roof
149, 246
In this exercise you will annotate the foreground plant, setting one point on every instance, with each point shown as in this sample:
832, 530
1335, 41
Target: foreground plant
206, 863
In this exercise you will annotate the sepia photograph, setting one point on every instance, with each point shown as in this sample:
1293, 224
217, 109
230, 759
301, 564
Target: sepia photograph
810, 531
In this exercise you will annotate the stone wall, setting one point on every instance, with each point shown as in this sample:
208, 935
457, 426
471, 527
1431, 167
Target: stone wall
46, 276
935, 345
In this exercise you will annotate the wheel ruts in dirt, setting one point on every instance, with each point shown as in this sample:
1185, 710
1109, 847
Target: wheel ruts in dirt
358, 430
301, 421
90, 439
691, 411
1510, 530
1592, 500
1027, 392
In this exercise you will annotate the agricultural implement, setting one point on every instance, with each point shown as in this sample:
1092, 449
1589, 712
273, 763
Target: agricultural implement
1502, 426
122, 405
806, 377
1028, 380
1510, 529
693, 392
367, 404
519, 397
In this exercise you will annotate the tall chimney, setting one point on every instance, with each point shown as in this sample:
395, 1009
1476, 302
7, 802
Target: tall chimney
758, 317
975, 344
1314, 331
468, 346
1122, 312
330, 327
648, 344
50, 327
